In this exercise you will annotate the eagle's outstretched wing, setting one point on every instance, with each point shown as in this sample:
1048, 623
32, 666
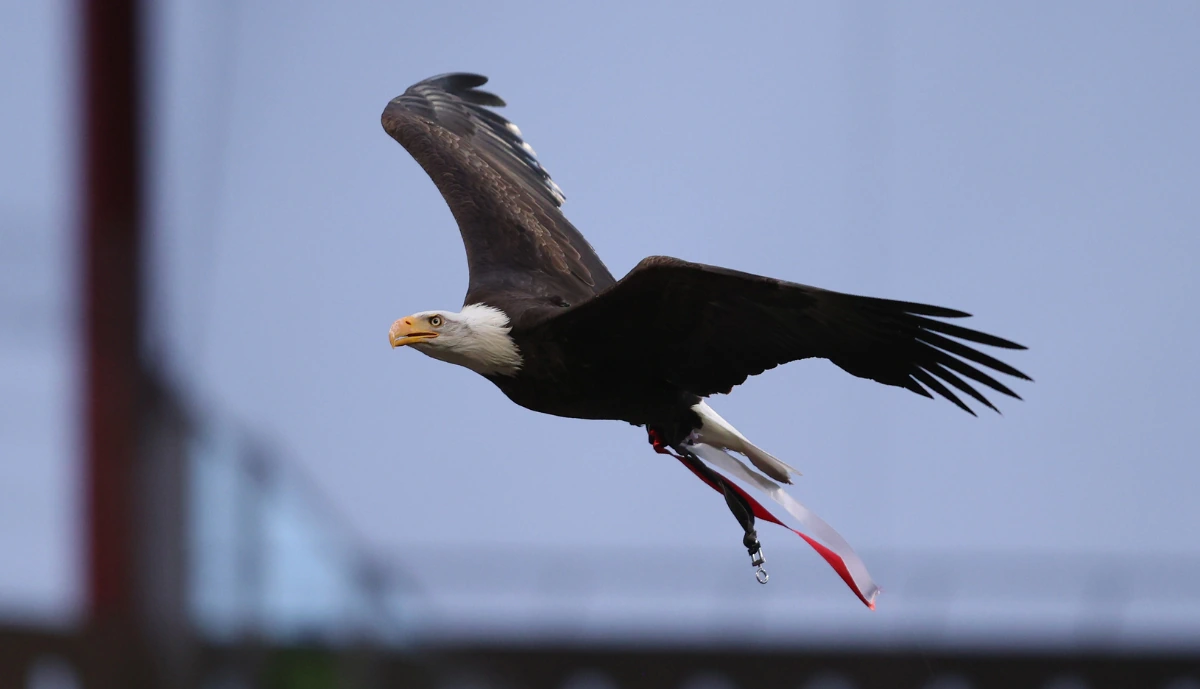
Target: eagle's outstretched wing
506, 205
706, 329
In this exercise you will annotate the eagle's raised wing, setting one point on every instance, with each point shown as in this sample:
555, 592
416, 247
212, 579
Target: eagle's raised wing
506, 205
706, 329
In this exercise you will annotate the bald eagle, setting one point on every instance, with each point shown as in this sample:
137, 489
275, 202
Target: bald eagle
547, 323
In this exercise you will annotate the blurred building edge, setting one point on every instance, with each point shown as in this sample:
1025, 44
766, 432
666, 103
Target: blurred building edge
270, 562
246, 575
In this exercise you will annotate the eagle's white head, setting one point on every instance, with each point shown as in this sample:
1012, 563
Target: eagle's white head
476, 337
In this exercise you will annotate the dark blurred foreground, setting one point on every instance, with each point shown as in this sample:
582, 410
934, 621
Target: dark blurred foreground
44, 660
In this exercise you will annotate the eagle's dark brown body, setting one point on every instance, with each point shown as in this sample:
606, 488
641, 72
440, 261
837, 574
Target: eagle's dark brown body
555, 382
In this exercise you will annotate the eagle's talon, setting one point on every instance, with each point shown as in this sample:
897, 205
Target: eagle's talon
656, 441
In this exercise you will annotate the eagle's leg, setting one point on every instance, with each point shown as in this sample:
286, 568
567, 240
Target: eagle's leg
745, 516
741, 510
737, 504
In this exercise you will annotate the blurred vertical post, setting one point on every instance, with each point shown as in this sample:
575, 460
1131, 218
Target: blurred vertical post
134, 432
112, 242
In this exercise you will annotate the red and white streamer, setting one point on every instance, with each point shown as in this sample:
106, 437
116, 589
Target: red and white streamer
828, 543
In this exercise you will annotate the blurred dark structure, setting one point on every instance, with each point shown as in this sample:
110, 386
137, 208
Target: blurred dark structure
317, 666
147, 625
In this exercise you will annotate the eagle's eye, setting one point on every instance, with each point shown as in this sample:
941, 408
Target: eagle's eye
435, 321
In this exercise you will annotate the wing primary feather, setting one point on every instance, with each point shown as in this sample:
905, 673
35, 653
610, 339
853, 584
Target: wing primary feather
967, 334
959, 349
912, 384
945, 374
482, 98
923, 376
914, 308
975, 374
464, 85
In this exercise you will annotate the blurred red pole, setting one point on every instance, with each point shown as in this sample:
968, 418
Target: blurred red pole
112, 234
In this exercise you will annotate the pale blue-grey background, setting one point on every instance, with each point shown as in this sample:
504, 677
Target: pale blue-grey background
1036, 164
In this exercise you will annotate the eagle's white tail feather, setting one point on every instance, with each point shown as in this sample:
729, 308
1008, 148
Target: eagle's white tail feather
719, 433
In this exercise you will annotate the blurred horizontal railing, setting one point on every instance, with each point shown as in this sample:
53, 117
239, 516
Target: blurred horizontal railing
708, 597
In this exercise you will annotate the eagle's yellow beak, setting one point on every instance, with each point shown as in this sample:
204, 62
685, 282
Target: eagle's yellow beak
409, 330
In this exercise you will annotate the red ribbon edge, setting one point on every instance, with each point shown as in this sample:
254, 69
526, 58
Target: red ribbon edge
834, 560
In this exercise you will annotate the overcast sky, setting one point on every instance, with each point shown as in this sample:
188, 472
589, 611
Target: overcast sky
1034, 165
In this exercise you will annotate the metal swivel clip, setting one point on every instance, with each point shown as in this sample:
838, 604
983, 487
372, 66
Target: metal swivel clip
756, 561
